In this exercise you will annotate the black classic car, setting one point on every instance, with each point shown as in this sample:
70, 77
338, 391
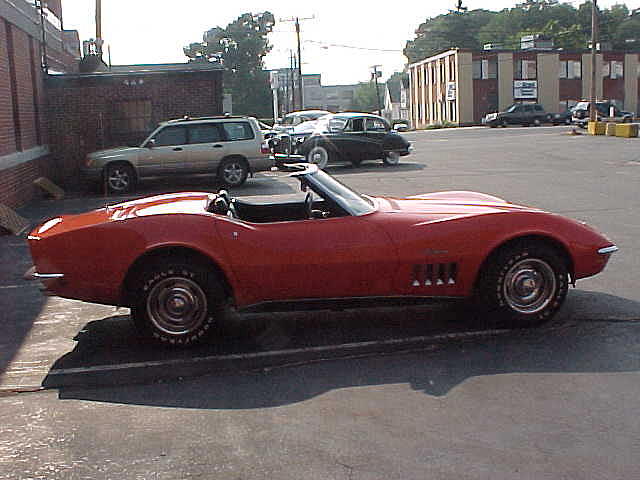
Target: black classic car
346, 137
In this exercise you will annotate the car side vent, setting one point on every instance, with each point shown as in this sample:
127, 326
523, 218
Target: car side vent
435, 274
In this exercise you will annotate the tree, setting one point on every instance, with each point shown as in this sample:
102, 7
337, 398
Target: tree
364, 98
240, 48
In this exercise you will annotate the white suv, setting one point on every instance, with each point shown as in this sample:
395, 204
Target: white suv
230, 147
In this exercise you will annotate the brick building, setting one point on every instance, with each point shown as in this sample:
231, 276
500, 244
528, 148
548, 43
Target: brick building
51, 115
24, 138
120, 106
461, 86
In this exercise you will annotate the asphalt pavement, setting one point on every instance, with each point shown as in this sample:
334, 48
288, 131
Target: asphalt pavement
379, 393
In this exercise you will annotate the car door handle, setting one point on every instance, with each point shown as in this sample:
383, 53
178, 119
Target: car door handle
217, 145
177, 149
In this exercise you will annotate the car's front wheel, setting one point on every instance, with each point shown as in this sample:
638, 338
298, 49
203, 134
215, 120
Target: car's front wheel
177, 302
119, 178
391, 158
233, 171
522, 285
320, 156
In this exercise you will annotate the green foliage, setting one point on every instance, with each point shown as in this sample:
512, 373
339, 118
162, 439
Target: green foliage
240, 48
364, 98
569, 27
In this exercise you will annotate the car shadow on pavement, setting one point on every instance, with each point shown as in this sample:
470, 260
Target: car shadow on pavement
375, 167
20, 300
566, 345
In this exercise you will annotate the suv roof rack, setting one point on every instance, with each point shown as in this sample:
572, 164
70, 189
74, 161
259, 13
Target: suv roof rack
187, 118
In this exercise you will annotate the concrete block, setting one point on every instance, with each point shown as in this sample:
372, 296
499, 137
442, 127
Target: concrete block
610, 129
627, 130
11, 221
49, 187
596, 128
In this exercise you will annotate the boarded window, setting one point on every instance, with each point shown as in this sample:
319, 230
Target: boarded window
133, 116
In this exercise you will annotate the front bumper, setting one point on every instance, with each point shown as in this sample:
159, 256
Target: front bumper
46, 279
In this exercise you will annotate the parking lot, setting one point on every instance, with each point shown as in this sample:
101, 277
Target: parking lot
376, 393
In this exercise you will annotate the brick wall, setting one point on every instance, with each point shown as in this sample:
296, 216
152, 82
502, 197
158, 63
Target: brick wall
23, 122
81, 109
7, 131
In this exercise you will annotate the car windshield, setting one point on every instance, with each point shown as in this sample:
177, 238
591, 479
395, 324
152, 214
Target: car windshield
512, 108
328, 187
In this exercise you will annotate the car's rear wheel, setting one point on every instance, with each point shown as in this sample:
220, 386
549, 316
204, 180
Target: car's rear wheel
177, 302
320, 156
119, 178
391, 158
537, 122
233, 171
522, 285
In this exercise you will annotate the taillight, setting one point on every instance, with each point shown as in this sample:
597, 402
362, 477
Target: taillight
264, 148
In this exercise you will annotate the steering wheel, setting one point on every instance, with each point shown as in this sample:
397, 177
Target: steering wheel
308, 205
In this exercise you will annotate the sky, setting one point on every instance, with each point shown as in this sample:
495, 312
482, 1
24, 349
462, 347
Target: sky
341, 40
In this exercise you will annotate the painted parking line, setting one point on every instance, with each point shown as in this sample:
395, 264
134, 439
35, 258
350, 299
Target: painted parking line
26, 285
136, 372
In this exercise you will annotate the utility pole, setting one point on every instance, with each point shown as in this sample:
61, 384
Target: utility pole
594, 39
292, 66
375, 74
99, 28
300, 86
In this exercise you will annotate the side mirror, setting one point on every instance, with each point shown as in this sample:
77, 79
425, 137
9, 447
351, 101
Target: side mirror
151, 143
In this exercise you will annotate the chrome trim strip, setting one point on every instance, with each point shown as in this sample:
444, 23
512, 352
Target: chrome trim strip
608, 250
47, 276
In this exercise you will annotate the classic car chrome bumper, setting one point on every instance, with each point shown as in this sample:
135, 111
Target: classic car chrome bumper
32, 274
608, 250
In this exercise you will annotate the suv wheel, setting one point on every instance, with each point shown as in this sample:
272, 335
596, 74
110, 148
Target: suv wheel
233, 171
119, 178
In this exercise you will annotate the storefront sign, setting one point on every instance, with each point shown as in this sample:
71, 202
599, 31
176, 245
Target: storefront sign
525, 89
451, 90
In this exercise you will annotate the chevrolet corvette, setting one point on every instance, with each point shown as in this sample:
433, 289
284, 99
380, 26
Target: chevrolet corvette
179, 260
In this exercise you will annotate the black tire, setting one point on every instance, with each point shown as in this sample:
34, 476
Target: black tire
537, 122
503, 124
356, 162
522, 286
177, 302
119, 178
233, 171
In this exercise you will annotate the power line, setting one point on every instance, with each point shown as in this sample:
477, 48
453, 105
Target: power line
325, 44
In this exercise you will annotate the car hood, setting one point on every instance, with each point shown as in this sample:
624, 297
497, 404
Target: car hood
116, 151
444, 205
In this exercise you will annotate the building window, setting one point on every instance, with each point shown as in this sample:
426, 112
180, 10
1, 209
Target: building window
526, 70
132, 116
570, 69
613, 69
485, 68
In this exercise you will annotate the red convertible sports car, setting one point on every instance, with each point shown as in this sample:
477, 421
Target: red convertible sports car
178, 260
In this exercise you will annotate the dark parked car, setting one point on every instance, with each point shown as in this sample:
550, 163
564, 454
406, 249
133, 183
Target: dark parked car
563, 118
346, 137
606, 111
517, 114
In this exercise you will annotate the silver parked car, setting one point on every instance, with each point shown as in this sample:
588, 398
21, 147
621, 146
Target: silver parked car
230, 147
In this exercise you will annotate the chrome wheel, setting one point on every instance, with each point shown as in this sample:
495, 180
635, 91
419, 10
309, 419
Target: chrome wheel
319, 156
119, 178
176, 306
529, 286
391, 158
233, 172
